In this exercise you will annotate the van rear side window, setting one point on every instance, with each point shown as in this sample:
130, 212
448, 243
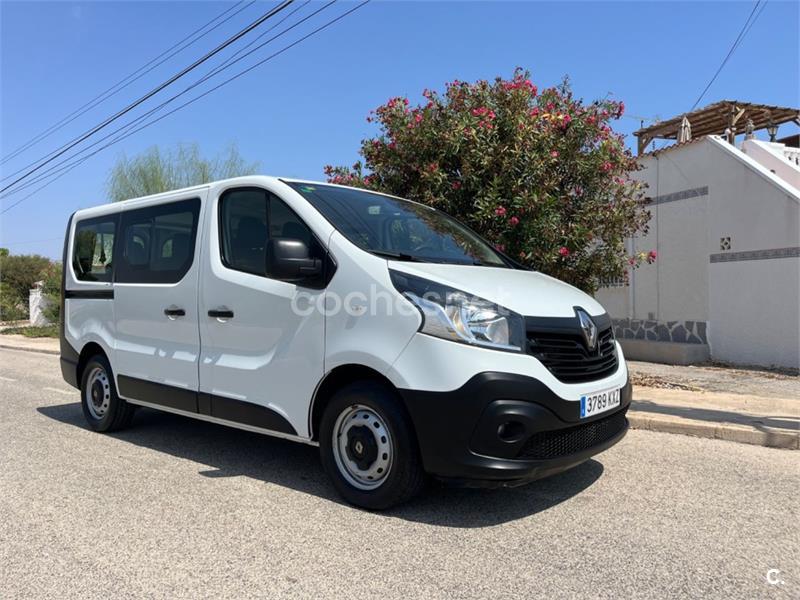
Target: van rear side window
93, 248
157, 243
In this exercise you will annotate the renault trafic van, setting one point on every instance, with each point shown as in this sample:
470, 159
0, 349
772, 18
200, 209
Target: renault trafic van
383, 331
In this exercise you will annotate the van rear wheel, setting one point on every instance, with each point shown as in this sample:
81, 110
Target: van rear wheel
103, 409
368, 447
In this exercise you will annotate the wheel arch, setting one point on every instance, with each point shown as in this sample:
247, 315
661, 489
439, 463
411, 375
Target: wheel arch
335, 380
87, 352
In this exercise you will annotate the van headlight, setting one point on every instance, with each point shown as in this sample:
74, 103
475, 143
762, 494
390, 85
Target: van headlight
454, 315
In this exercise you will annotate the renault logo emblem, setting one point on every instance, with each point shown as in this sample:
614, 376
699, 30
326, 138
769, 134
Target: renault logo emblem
588, 328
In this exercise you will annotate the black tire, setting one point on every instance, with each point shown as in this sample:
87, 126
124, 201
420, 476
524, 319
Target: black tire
405, 476
108, 412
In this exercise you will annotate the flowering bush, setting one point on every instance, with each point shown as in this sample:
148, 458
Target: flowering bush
540, 174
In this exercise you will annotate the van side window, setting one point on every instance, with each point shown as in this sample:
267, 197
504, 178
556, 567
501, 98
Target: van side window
158, 242
93, 248
249, 218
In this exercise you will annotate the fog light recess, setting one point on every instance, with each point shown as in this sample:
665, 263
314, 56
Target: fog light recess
511, 431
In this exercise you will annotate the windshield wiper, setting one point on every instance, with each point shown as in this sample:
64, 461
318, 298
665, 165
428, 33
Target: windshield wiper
397, 255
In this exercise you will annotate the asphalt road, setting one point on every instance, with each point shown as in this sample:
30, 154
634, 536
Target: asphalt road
180, 508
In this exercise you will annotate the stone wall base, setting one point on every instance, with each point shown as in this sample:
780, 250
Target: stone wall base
669, 353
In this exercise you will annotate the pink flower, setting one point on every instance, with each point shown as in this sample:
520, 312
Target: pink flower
491, 114
620, 109
392, 145
418, 118
590, 120
652, 255
563, 251
534, 112
500, 247
456, 185
606, 166
554, 154
518, 84
566, 120
631, 261
514, 221
500, 211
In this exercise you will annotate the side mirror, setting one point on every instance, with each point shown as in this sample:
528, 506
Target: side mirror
290, 260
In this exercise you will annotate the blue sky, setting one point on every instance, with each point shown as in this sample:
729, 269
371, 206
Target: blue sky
307, 108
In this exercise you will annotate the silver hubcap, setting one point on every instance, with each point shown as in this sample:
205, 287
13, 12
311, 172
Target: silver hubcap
97, 394
362, 447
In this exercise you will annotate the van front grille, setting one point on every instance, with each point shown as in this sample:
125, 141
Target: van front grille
566, 356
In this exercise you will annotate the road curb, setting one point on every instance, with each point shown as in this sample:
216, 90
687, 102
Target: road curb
24, 349
717, 431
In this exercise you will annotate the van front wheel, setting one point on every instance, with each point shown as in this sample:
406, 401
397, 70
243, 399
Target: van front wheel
368, 447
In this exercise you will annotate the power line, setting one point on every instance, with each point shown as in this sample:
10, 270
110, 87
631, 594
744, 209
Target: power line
128, 80
193, 100
742, 33
753, 22
81, 138
153, 92
229, 62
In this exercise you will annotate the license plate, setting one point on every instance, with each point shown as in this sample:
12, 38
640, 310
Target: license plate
600, 402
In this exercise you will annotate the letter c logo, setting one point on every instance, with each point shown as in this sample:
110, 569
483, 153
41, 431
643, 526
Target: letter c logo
772, 577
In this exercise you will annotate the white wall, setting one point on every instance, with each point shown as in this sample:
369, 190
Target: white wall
749, 294
771, 156
675, 287
755, 317
614, 300
754, 304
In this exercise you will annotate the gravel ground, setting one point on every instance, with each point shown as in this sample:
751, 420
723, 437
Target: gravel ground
770, 384
177, 508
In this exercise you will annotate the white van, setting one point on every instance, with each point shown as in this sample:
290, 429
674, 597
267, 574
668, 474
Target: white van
381, 330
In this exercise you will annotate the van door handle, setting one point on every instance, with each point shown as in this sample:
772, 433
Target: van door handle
174, 311
221, 313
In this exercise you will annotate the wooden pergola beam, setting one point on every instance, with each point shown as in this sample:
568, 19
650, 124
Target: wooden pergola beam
716, 118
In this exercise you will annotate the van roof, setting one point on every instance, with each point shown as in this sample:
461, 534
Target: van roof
111, 207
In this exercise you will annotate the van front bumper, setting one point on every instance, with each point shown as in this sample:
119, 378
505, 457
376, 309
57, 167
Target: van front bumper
502, 429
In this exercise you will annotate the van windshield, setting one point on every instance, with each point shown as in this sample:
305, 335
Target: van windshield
399, 229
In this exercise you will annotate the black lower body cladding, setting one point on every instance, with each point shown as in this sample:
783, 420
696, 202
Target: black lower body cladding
501, 429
